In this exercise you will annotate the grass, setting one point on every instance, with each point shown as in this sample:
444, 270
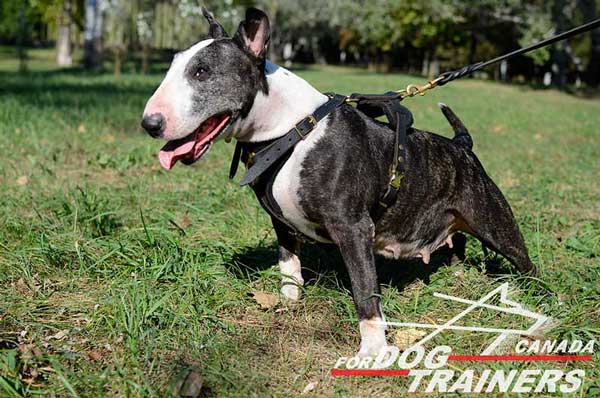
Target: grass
118, 278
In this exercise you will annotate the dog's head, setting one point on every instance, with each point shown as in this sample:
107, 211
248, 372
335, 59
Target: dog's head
208, 87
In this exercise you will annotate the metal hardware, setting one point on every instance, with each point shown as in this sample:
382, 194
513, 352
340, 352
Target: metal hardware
412, 89
311, 119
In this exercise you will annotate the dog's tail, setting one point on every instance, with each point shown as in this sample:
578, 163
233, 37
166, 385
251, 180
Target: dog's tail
461, 134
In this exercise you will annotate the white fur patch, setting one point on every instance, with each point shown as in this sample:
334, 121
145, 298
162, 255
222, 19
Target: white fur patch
287, 184
291, 280
173, 98
372, 337
290, 99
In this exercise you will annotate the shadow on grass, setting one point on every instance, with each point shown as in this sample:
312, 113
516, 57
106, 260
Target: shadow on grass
319, 260
73, 88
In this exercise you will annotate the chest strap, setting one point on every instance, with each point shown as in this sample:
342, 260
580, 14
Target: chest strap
280, 147
399, 120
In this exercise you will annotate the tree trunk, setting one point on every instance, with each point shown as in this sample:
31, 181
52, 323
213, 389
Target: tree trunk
560, 58
146, 52
21, 38
93, 34
64, 54
592, 72
118, 66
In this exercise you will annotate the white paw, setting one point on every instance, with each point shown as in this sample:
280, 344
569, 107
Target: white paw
371, 350
372, 337
291, 291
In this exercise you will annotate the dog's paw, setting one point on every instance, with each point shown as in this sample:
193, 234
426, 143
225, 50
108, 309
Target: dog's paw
291, 291
371, 355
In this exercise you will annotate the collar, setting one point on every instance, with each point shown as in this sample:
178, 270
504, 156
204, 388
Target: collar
279, 148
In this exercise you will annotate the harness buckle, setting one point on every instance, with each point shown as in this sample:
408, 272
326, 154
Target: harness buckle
309, 119
396, 181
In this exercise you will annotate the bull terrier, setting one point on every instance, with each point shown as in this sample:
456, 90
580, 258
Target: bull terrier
327, 186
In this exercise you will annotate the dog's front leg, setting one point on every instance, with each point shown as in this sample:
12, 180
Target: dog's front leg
355, 241
289, 263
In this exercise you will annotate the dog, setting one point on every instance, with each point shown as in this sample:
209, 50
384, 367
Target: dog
225, 88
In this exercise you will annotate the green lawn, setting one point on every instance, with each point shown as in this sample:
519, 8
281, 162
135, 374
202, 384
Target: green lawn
118, 278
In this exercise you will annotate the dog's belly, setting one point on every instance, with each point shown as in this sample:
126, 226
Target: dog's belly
392, 248
286, 186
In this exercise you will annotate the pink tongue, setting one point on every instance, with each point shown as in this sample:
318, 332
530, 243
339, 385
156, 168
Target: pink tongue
188, 147
173, 151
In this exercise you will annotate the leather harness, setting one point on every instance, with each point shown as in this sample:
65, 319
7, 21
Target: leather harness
265, 159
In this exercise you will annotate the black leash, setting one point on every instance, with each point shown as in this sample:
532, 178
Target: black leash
446, 77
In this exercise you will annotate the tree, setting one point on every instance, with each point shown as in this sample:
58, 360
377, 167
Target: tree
592, 73
64, 51
145, 32
94, 23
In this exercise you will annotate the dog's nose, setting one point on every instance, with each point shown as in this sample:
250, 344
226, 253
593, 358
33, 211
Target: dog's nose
154, 124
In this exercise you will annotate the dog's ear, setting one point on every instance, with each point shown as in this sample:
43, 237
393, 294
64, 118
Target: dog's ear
215, 29
254, 33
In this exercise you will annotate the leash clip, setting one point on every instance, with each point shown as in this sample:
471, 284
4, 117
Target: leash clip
412, 89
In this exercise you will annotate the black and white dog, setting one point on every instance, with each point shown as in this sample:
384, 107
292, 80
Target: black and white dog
225, 88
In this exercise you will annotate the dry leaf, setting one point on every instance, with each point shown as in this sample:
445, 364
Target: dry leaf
309, 387
95, 355
404, 338
266, 300
192, 385
59, 335
81, 128
109, 138
23, 180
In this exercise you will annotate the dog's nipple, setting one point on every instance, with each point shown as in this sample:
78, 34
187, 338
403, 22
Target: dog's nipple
449, 241
425, 255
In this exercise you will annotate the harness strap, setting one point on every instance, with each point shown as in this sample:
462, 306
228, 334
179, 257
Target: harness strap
399, 120
269, 155
235, 161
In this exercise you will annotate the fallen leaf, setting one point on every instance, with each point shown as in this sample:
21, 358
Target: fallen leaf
309, 387
266, 300
58, 336
404, 338
109, 138
23, 180
81, 128
95, 355
498, 128
23, 288
192, 385
37, 352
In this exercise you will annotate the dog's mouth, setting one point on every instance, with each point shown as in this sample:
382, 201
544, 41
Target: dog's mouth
191, 148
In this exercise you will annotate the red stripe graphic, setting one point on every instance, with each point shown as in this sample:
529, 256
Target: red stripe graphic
369, 372
524, 358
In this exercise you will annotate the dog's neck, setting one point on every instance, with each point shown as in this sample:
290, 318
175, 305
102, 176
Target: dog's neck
288, 101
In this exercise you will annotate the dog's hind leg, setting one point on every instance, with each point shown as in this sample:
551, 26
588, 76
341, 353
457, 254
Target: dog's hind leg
355, 240
289, 262
489, 218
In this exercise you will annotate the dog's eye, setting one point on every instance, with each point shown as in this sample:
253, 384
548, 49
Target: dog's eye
201, 74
